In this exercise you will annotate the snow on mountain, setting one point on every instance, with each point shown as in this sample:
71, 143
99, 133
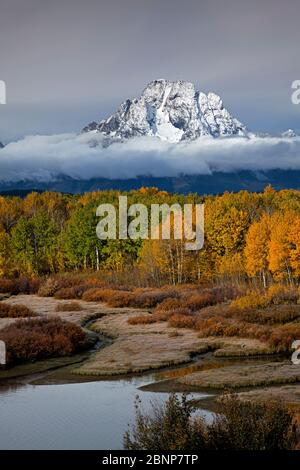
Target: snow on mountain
289, 133
171, 111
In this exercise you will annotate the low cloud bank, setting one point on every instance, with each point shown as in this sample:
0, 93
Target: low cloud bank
45, 158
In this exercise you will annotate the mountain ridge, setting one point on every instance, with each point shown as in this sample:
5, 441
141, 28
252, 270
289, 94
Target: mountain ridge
170, 110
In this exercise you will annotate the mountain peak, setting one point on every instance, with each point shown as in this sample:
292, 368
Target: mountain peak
170, 110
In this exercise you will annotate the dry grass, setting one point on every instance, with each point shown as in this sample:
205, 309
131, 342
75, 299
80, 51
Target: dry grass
239, 376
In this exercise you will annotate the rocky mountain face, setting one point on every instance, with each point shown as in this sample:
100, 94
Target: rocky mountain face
171, 111
1, 145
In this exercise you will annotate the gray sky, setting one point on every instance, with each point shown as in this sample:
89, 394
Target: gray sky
68, 62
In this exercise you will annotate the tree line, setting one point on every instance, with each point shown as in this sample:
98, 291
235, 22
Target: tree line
247, 235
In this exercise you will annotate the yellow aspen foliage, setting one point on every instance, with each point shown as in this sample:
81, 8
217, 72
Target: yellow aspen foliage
279, 245
293, 237
257, 247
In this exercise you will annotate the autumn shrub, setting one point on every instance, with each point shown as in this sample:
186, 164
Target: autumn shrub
96, 294
21, 285
67, 293
238, 425
282, 337
246, 425
181, 321
279, 294
32, 339
169, 304
251, 300
198, 301
275, 295
49, 288
121, 299
219, 326
52, 285
7, 286
142, 320
277, 314
15, 311
69, 307
167, 427
150, 298
162, 315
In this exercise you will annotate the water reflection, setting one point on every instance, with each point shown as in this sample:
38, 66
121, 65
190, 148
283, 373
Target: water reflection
90, 415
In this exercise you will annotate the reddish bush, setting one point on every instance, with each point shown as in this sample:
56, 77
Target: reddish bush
49, 287
7, 286
121, 299
163, 316
271, 315
96, 294
149, 298
198, 301
15, 311
182, 321
22, 285
28, 340
142, 320
282, 337
69, 307
67, 293
170, 304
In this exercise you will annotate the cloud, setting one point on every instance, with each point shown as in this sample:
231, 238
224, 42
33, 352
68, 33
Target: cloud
45, 158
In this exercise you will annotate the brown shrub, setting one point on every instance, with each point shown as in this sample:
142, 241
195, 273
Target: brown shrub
282, 337
163, 316
28, 340
142, 320
149, 298
279, 294
121, 299
15, 311
182, 321
69, 307
49, 288
169, 304
22, 285
198, 301
67, 293
7, 286
271, 315
96, 294
237, 425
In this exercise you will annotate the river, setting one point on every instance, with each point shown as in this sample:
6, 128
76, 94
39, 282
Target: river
89, 415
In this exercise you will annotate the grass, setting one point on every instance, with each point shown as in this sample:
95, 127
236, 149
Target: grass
241, 376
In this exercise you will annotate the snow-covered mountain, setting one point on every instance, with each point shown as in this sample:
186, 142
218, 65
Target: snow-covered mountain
290, 133
172, 111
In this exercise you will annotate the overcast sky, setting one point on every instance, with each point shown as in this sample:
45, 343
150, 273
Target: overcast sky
68, 62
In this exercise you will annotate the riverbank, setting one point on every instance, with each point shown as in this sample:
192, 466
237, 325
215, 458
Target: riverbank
187, 362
